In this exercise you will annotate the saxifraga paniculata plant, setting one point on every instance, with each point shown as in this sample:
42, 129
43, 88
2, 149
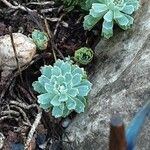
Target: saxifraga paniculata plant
40, 39
83, 55
112, 11
62, 88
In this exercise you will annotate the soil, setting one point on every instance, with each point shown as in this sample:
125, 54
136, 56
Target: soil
18, 102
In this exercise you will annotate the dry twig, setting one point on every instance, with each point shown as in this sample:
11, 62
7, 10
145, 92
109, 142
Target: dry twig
21, 7
8, 117
15, 7
51, 37
25, 118
41, 3
10, 113
58, 23
23, 105
33, 128
15, 52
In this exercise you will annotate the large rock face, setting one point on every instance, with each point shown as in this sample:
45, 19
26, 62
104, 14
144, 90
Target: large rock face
121, 83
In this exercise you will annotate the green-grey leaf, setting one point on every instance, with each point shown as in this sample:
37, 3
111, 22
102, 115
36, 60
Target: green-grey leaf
44, 98
68, 77
129, 23
107, 29
76, 79
79, 106
134, 3
89, 22
45, 106
78, 70
99, 8
49, 88
46, 71
86, 82
58, 63
55, 101
82, 99
65, 68
57, 111
38, 87
117, 14
63, 98
71, 103
66, 111
90, 2
123, 21
109, 16
56, 71
83, 90
60, 79
43, 79
73, 92
128, 9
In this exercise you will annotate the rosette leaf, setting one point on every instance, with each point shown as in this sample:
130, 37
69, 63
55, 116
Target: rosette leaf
62, 88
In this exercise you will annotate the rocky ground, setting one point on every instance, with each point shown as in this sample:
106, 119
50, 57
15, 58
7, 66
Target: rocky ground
121, 84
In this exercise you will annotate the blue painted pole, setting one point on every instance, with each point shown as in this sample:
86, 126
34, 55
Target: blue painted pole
136, 125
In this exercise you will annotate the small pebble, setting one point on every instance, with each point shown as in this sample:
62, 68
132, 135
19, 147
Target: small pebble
66, 122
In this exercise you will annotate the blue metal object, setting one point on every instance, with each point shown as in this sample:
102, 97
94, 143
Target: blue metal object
135, 126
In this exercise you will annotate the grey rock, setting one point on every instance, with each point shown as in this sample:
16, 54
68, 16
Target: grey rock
121, 84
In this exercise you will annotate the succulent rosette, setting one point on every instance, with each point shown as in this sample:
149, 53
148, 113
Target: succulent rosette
83, 55
40, 39
62, 88
112, 11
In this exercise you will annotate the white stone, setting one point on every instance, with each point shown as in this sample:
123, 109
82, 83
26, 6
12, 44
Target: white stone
25, 48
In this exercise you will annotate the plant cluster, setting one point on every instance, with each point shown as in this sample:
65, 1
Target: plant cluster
62, 88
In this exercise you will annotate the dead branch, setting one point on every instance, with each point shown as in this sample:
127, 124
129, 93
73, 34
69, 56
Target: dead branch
15, 7
51, 38
58, 23
8, 117
9, 112
15, 52
41, 3
22, 113
21, 7
23, 105
32, 131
